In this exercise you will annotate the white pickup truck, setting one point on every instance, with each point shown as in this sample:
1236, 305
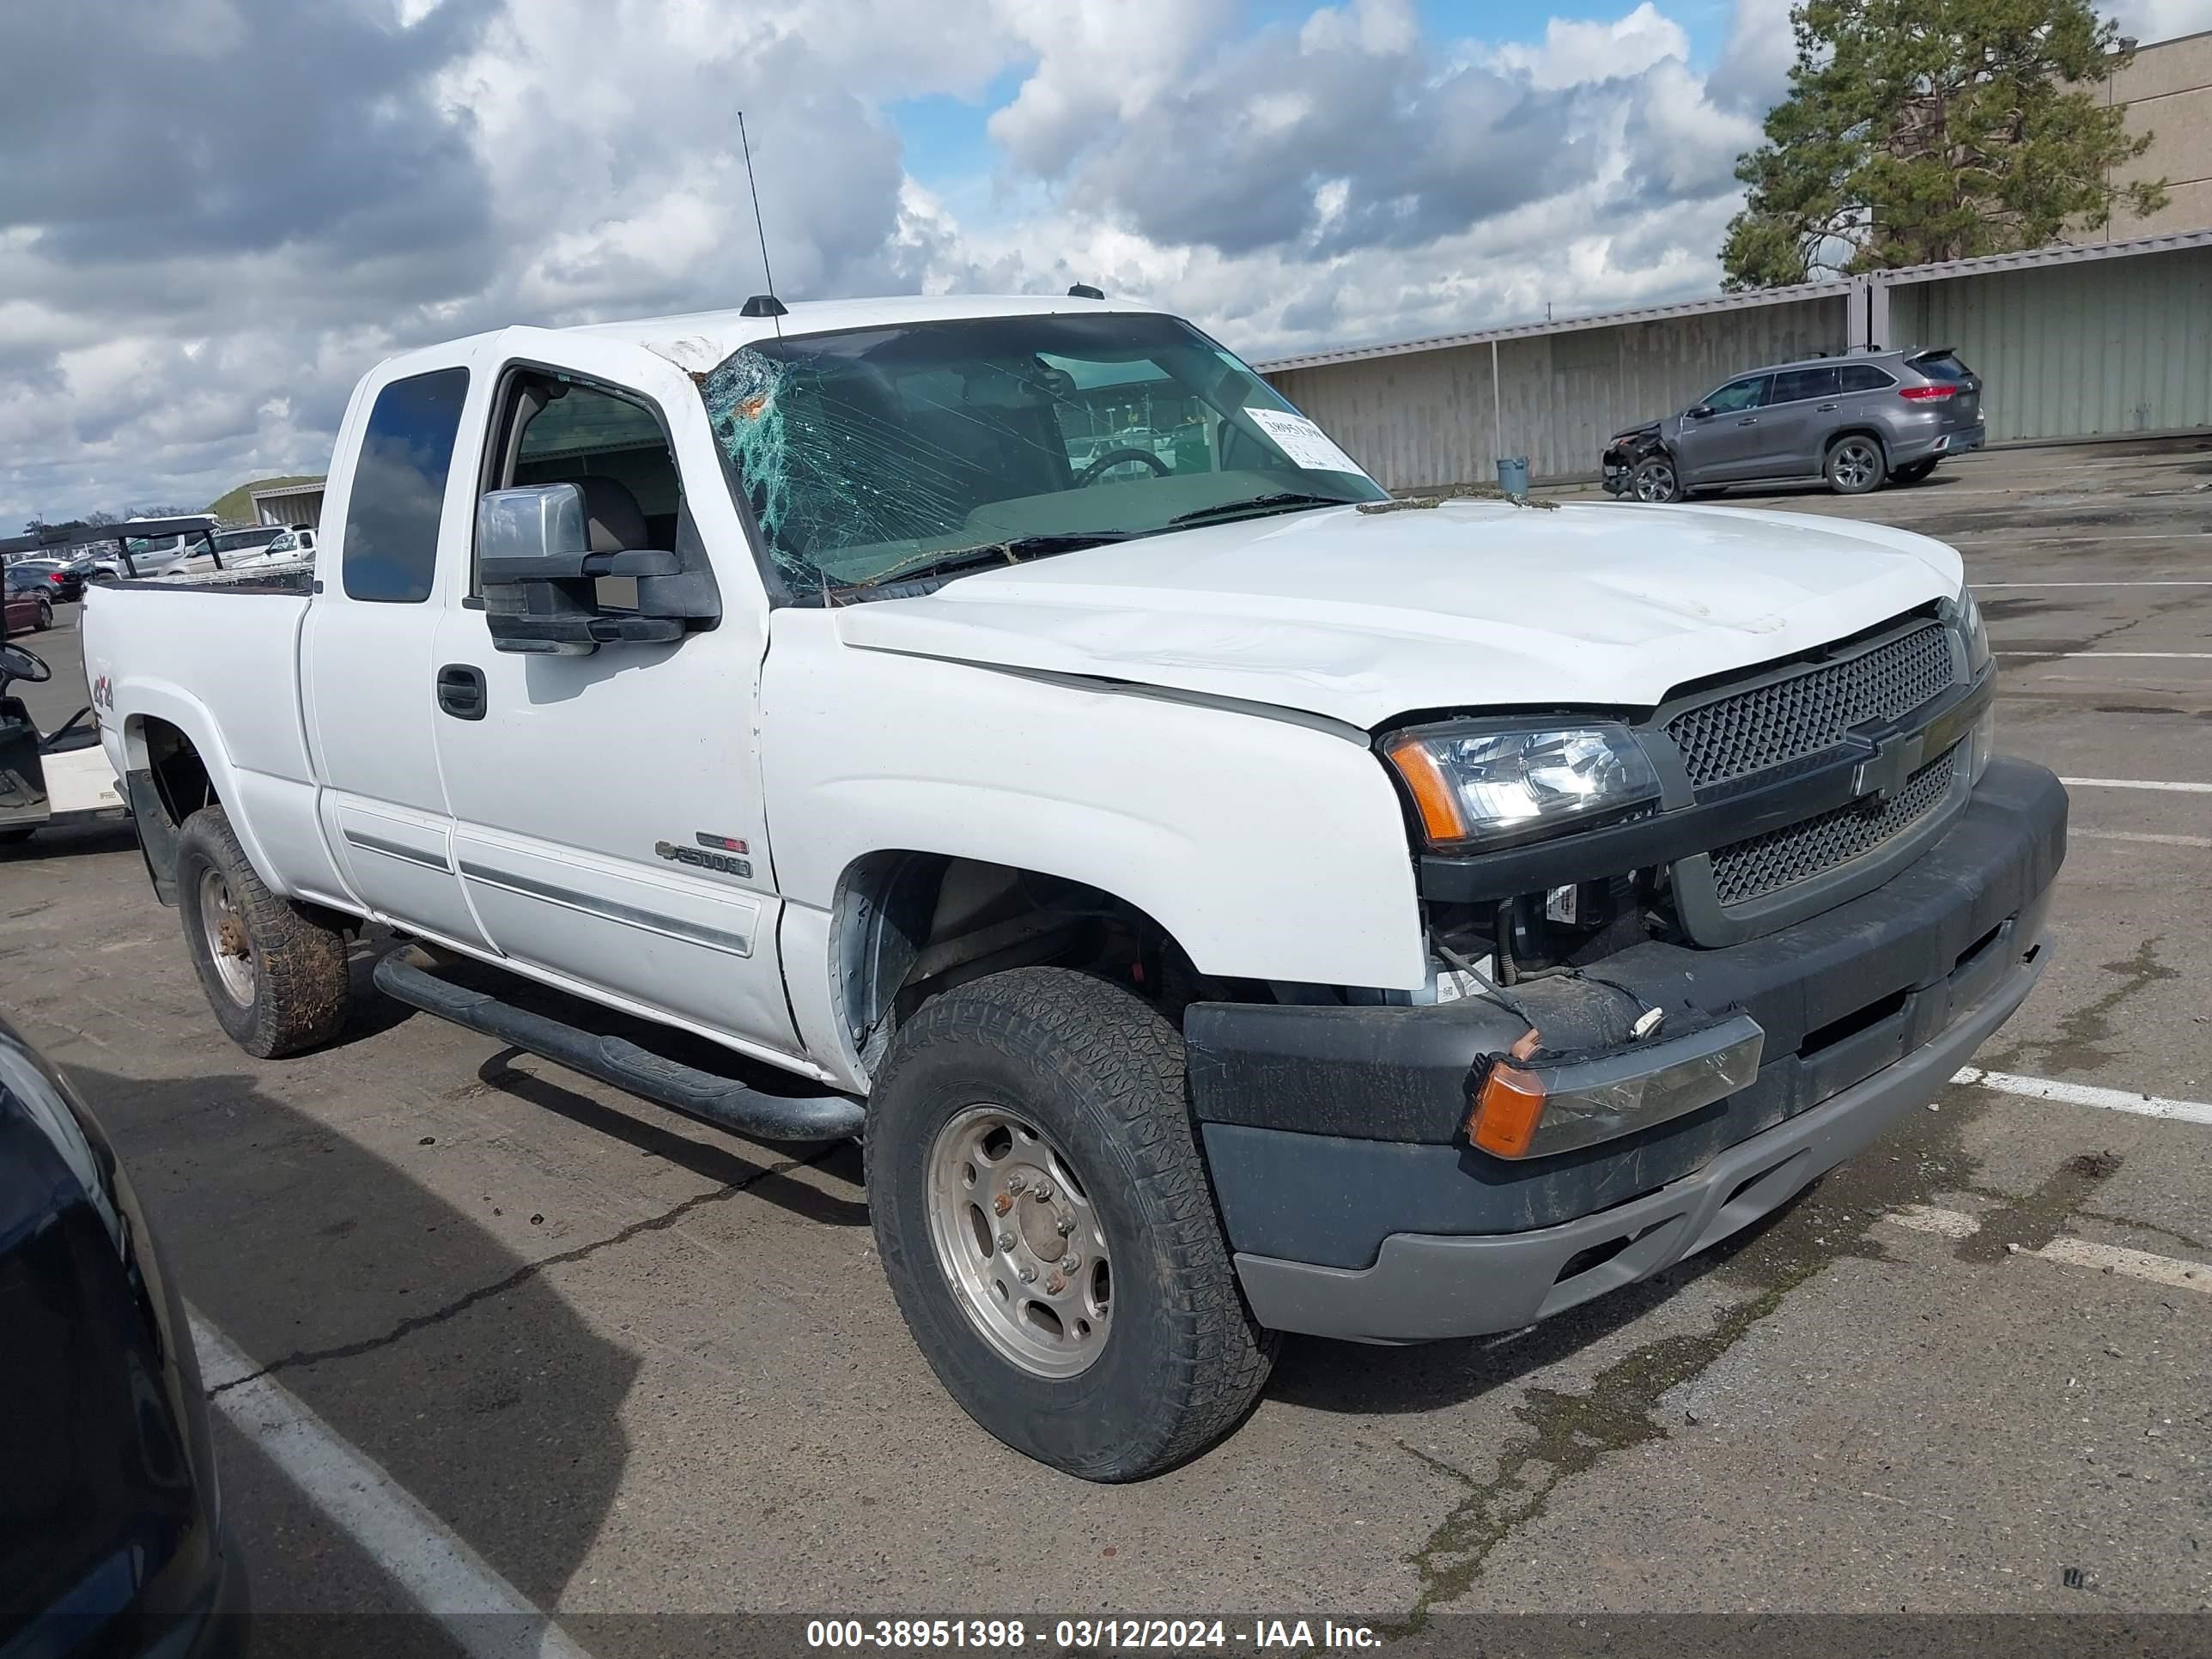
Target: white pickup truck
1225, 901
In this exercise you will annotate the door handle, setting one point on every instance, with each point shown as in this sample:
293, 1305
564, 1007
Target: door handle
1823, 409
461, 691
1748, 420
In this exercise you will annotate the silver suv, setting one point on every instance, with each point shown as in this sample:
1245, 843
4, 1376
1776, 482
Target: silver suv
1856, 420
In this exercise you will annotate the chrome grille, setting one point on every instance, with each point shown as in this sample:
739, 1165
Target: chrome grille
1787, 719
1780, 858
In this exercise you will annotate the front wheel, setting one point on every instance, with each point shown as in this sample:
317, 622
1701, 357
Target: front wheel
1854, 465
274, 974
1656, 480
1046, 1224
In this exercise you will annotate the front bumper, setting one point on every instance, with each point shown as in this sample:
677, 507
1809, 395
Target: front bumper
1356, 1208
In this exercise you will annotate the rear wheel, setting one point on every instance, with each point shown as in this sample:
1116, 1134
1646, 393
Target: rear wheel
1854, 465
1046, 1224
1656, 480
46, 614
1912, 471
275, 975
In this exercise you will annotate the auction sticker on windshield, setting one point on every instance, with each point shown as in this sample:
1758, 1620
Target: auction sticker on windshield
1304, 443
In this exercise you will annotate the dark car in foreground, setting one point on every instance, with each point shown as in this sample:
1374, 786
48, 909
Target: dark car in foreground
1858, 422
111, 1540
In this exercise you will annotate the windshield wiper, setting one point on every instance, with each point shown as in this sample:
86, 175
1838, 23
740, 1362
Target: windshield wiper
1014, 549
1260, 503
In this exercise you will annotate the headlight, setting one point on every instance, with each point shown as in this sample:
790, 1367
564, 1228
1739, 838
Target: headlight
1977, 633
1485, 786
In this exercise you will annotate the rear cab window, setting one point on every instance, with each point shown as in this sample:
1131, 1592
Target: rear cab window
398, 493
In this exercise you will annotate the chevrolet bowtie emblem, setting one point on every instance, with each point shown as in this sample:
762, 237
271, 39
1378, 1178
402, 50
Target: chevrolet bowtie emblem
1884, 772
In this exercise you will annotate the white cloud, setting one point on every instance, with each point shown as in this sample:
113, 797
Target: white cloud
1574, 52
2161, 20
182, 308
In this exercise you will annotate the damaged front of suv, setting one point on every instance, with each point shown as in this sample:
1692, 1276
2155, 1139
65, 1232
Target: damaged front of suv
1688, 958
1626, 451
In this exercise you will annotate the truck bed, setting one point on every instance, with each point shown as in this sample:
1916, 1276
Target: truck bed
227, 676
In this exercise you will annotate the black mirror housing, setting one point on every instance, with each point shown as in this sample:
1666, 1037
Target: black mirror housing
539, 578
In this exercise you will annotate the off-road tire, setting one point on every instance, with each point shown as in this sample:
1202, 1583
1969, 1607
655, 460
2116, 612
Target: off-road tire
1912, 472
1854, 465
1099, 1073
299, 963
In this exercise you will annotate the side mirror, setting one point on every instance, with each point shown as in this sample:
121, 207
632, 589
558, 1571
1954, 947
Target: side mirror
1699, 411
540, 578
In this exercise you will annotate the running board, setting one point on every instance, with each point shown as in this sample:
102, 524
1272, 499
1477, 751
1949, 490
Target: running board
718, 1100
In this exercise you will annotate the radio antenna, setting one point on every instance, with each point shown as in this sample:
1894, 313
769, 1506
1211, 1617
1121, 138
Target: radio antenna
759, 229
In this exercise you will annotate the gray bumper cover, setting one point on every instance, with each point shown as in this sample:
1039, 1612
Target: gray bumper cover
1425, 1287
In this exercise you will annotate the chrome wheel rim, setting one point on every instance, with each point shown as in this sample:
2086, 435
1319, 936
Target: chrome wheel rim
228, 947
1655, 483
1019, 1242
1855, 463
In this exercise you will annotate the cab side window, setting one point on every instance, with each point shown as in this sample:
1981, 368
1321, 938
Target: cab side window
1747, 393
398, 493
612, 448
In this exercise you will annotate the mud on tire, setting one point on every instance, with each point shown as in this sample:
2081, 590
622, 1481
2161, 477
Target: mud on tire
275, 974
1098, 1075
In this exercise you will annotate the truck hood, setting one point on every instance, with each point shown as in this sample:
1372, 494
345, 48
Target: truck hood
1360, 617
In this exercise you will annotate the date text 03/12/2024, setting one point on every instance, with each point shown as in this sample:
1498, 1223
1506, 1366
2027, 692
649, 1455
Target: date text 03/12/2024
1168, 1635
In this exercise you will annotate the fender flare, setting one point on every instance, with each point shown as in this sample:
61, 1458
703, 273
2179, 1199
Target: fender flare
139, 701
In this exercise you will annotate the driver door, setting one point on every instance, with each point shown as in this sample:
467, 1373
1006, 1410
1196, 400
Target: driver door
608, 822
1725, 442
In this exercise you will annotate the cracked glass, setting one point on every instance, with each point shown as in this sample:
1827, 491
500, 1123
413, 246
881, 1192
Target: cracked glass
873, 457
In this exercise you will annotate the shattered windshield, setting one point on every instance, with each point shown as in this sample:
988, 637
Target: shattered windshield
875, 455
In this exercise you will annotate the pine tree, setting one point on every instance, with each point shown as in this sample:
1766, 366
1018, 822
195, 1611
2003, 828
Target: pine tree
1924, 129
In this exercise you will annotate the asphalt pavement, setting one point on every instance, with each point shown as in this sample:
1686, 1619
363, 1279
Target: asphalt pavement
640, 1367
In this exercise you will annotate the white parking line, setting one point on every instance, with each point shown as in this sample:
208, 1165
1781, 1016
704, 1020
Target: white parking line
2074, 834
1985, 587
443, 1576
2136, 1264
2079, 535
2137, 783
2083, 1094
2071, 655
2072, 1252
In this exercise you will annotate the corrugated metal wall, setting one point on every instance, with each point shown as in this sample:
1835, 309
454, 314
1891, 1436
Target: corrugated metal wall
1423, 420
2095, 349
2076, 351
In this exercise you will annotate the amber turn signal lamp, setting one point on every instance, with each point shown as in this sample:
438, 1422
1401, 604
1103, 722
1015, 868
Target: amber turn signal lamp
1507, 1110
1432, 795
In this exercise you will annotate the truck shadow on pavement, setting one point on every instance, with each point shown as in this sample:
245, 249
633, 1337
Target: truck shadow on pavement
708, 1152
417, 1336
104, 836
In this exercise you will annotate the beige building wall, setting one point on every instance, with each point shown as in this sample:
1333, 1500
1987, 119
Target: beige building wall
2168, 93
